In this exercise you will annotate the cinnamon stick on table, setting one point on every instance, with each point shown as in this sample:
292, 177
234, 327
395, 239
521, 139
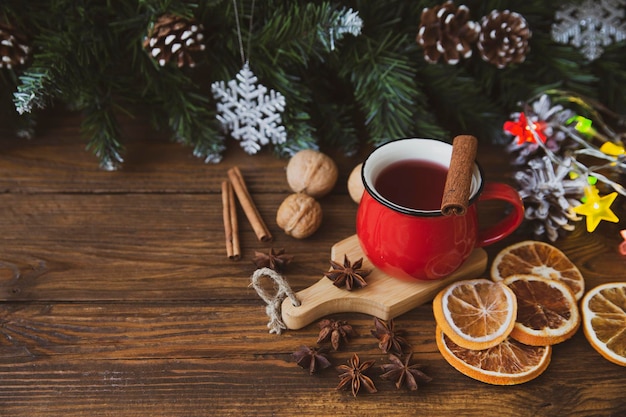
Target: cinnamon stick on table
257, 223
231, 226
456, 193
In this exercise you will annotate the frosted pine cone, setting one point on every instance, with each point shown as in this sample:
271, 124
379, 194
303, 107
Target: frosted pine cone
14, 48
446, 31
504, 38
549, 195
173, 39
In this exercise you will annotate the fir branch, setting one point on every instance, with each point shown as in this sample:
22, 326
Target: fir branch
548, 64
23, 125
300, 133
373, 86
101, 126
383, 82
155, 8
337, 126
459, 103
610, 71
296, 34
32, 92
344, 21
186, 110
334, 112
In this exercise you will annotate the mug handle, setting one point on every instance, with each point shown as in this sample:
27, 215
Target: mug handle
506, 226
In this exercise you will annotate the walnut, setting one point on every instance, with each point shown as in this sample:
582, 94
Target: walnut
299, 215
355, 184
311, 172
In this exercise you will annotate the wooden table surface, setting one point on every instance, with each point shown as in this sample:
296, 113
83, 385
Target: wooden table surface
117, 298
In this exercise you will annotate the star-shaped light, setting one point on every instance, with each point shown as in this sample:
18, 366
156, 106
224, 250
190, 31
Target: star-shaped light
596, 208
523, 128
612, 149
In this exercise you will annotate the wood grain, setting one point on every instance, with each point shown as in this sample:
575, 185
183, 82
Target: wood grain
116, 297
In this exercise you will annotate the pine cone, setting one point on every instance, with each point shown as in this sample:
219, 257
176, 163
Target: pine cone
447, 31
14, 48
504, 38
174, 38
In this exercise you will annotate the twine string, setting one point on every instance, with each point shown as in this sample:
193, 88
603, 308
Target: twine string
274, 301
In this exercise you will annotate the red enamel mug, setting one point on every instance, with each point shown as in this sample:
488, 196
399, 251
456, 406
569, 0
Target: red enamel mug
415, 243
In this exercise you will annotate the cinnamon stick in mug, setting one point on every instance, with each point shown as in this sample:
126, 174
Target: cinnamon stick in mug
459, 180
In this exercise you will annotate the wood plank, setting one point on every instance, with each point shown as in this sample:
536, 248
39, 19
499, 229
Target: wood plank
142, 246
178, 359
56, 161
205, 387
150, 166
268, 384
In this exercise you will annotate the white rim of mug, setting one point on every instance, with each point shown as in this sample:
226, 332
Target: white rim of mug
418, 212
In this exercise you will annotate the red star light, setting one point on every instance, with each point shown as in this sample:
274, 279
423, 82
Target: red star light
522, 129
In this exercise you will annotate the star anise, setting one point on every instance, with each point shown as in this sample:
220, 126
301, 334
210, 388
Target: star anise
348, 274
337, 331
353, 374
276, 260
403, 373
312, 358
390, 340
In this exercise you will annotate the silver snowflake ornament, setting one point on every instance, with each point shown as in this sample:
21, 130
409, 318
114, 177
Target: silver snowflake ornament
249, 112
590, 25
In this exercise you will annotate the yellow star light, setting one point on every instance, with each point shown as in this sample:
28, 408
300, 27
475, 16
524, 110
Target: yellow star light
596, 208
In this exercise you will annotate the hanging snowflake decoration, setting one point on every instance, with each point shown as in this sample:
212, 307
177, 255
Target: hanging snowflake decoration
538, 121
344, 21
590, 25
549, 195
248, 113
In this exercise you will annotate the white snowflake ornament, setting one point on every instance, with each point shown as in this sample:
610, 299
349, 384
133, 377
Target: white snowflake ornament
248, 113
590, 25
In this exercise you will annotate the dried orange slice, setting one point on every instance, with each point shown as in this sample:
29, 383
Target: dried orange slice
475, 313
507, 363
547, 311
537, 258
604, 320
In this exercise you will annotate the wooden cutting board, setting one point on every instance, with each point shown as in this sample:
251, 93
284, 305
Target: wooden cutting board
384, 297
